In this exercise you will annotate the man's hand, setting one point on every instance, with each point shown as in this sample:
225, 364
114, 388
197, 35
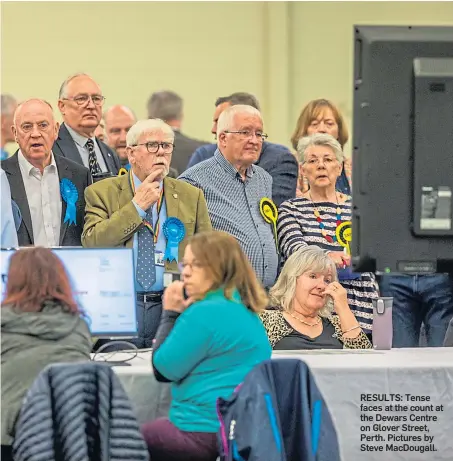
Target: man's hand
148, 192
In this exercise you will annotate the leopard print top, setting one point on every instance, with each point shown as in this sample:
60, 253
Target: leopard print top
277, 328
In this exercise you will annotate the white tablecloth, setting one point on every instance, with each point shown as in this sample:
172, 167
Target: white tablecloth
347, 380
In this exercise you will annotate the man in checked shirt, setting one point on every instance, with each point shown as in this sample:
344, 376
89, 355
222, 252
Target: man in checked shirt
233, 187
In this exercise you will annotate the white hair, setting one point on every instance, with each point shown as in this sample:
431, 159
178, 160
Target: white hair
319, 139
62, 93
226, 119
148, 126
306, 258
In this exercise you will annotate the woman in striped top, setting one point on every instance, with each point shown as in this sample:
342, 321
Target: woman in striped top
312, 219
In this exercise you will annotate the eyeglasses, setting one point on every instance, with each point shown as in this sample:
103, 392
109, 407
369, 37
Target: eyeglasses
245, 134
183, 265
153, 147
83, 99
28, 127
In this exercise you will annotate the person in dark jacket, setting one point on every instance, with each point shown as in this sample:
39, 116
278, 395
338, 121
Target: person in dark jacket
205, 345
276, 159
41, 324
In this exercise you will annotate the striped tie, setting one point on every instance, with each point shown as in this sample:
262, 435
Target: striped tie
92, 160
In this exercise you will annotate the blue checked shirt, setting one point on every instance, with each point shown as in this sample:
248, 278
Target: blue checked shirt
233, 206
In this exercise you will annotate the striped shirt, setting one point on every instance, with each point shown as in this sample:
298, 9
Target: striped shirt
297, 226
233, 206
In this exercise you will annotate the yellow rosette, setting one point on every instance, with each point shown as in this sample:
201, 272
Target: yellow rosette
122, 171
269, 212
344, 235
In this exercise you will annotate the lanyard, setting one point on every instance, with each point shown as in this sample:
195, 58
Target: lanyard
160, 201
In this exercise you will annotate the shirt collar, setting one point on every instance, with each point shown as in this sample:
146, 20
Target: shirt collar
28, 167
78, 138
229, 168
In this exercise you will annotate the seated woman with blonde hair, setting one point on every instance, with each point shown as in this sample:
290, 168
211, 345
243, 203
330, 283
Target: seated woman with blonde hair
206, 344
304, 297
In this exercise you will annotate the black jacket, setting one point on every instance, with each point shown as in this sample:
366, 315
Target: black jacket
70, 234
66, 147
78, 412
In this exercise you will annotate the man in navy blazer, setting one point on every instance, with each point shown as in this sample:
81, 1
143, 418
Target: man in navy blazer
276, 159
80, 103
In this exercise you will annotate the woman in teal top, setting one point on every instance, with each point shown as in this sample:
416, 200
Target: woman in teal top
210, 336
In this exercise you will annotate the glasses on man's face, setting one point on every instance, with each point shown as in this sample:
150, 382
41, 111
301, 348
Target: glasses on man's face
193, 265
246, 134
83, 99
153, 147
28, 127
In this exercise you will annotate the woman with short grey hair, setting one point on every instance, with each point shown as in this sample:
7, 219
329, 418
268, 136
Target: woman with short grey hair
320, 215
305, 296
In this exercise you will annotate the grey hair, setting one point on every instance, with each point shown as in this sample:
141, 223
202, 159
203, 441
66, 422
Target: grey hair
319, 139
166, 105
306, 258
7, 103
148, 126
226, 119
62, 93
43, 101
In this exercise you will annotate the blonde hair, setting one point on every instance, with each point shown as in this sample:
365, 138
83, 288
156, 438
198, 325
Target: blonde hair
311, 112
306, 258
223, 259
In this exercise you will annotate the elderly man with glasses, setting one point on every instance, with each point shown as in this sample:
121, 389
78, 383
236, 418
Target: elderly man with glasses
80, 102
234, 187
149, 212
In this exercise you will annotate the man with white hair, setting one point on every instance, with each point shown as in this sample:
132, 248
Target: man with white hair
80, 101
134, 211
234, 186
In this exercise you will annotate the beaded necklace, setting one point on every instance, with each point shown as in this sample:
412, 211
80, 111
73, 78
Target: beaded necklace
321, 224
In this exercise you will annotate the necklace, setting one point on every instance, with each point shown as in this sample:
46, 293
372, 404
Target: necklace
321, 224
303, 321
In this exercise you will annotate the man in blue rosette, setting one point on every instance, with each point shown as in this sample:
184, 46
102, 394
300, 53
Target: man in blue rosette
47, 189
148, 211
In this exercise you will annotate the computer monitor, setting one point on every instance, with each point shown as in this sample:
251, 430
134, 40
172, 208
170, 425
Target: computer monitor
403, 149
103, 283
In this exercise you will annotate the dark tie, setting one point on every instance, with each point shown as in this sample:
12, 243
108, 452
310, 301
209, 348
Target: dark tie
92, 160
146, 270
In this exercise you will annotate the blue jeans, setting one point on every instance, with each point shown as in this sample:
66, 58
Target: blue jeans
418, 299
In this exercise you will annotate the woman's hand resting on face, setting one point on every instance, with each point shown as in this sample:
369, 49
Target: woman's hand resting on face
339, 295
174, 298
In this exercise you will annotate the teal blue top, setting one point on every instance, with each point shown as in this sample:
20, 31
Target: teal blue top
209, 351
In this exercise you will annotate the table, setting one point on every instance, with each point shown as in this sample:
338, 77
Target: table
353, 384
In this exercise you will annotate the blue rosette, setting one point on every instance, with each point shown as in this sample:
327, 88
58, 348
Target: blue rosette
174, 232
70, 195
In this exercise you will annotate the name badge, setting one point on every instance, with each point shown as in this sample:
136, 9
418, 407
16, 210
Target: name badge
159, 258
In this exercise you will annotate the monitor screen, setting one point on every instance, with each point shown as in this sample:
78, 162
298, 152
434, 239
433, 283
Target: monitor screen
402, 149
103, 284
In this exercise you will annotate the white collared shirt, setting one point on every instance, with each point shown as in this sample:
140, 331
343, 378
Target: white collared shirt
44, 201
80, 142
